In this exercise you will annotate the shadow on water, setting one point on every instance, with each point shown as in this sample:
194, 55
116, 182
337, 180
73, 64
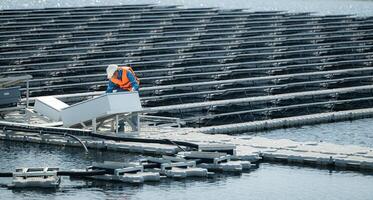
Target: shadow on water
109, 185
40, 191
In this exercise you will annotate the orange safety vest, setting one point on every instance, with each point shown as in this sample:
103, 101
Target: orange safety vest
125, 83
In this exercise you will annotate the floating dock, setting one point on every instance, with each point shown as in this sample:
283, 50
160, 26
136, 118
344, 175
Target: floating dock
244, 148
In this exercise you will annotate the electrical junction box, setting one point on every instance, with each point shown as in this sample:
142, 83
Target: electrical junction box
9, 96
49, 107
101, 106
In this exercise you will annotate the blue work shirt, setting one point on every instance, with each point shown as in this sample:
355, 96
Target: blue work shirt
112, 86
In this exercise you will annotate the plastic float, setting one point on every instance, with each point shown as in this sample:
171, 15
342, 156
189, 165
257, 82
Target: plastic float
215, 161
172, 167
35, 177
124, 172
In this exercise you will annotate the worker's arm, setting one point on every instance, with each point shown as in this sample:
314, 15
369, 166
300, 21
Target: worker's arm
132, 79
110, 87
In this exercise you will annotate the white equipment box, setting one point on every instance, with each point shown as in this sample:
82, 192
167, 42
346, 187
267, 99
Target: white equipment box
50, 107
101, 106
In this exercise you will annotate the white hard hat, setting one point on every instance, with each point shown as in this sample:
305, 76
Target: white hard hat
110, 70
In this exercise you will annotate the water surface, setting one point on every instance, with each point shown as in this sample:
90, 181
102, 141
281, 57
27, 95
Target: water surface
269, 181
358, 132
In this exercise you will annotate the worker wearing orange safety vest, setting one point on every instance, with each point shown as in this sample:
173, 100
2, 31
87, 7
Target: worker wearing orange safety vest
121, 79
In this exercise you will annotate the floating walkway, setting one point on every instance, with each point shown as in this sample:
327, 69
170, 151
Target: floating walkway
243, 148
284, 150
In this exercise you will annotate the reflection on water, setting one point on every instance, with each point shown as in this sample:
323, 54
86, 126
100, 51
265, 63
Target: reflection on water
326, 7
269, 181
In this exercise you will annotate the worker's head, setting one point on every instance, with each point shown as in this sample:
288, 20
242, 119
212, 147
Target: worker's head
110, 70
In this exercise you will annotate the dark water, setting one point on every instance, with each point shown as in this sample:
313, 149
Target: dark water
269, 181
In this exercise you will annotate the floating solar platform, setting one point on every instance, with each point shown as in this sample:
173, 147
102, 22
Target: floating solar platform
223, 71
208, 66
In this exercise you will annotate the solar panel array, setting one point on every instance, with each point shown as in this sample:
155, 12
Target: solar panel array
207, 66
